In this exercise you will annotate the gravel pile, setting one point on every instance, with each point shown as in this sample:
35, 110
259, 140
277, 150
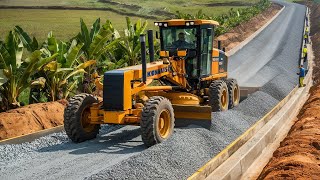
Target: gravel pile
280, 86
24, 150
185, 152
230, 125
257, 104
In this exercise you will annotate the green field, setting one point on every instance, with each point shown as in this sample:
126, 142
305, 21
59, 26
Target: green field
141, 7
65, 23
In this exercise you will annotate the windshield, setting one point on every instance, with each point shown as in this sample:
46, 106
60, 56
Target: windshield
179, 38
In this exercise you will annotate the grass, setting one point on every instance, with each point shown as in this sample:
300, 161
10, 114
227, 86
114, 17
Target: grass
81, 3
64, 23
187, 6
147, 7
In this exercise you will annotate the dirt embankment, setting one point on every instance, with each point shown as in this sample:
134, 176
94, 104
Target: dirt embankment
31, 118
235, 36
298, 156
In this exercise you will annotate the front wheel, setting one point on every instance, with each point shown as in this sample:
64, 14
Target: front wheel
76, 118
157, 120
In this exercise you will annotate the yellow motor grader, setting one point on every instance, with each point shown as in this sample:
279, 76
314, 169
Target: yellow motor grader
189, 81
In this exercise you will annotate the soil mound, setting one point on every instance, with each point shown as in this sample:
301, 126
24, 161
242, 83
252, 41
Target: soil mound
31, 118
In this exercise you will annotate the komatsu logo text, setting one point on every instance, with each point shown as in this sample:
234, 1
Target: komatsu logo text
158, 71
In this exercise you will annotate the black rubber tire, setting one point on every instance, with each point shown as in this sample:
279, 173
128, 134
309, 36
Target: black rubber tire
72, 118
216, 89
150, 117
234, 99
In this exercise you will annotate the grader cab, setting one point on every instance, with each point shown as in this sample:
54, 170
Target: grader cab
191, 78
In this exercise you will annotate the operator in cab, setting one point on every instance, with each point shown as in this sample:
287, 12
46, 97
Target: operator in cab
181, 43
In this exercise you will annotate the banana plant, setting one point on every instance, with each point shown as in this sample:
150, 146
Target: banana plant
130, 44
100, 40
16, 70
30, 44
61, 74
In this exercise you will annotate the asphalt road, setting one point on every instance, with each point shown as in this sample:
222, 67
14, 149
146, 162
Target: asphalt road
252, 66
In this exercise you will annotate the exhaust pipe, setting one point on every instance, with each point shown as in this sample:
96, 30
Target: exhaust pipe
151, 46
143, 57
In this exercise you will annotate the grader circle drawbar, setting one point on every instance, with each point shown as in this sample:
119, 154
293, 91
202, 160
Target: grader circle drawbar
193, 77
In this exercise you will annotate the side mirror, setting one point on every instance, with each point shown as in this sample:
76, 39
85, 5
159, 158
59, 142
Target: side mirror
157, 35
209, 32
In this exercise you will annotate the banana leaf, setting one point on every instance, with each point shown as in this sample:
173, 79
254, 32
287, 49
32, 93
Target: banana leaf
62, 52
72, 55
28, 43
99, 41
52, 43
95, 29
86, 64
74, 73
85, 34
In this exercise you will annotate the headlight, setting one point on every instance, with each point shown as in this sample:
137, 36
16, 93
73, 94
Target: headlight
160, 24
192, 23
156, 24
187, 24
165, 25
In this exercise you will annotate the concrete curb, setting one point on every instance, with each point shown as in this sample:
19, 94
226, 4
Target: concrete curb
246, 41
32, 136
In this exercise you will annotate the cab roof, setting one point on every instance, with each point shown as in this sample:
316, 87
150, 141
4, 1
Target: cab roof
182, 22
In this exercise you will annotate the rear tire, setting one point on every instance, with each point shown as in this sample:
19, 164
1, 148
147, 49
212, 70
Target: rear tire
157, 121
218, 96
76, 115
234, 93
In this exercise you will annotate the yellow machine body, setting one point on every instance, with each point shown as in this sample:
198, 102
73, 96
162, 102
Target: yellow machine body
185, 104
187, 82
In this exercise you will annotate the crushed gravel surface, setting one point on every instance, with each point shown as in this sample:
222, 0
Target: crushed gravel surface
55, 157
174, 159
257, 104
